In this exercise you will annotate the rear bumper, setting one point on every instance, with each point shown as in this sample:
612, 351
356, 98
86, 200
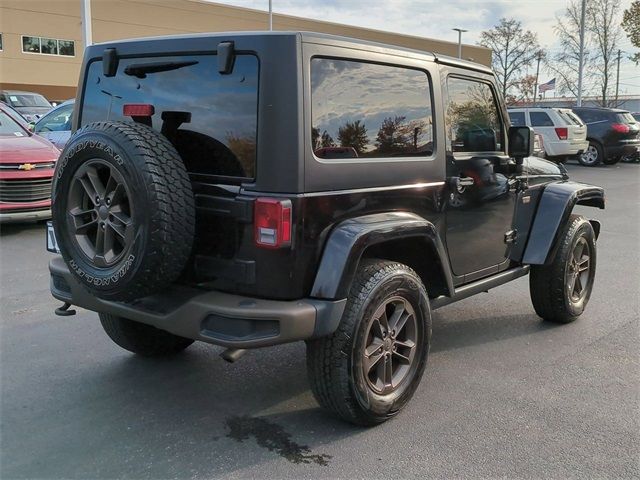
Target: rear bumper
566, 147
211, 316
622, 149
24, 216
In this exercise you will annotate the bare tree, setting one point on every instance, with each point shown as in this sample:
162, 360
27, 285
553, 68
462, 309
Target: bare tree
602, 35
513, 48
564, 64
603, 24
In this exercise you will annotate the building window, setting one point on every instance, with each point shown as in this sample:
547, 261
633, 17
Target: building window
0, 42
66, 48
31, 44
48, 46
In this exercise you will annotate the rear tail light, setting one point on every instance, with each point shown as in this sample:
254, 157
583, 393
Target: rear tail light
620, 127
138, 110
272, 220
562, 132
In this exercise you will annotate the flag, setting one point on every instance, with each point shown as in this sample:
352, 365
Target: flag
550, 85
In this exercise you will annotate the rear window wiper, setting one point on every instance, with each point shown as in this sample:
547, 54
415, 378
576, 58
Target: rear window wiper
140, 70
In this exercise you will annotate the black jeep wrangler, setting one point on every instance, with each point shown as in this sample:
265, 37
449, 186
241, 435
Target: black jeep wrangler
252, 189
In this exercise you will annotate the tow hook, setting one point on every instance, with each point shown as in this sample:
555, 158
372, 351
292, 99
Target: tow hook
231, 355
64, 311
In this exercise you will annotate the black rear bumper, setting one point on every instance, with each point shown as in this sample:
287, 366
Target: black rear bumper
211, 316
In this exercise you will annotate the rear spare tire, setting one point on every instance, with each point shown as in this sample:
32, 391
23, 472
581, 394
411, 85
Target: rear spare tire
123, 210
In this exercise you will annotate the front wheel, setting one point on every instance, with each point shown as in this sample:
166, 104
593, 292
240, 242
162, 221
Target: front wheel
561, 290
370, 367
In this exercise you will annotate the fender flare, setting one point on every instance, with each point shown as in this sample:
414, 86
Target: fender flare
554, 208
348, 240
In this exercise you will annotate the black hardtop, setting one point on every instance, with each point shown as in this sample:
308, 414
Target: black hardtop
195, 40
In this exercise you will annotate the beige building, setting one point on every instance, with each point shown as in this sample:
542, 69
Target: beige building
41, 40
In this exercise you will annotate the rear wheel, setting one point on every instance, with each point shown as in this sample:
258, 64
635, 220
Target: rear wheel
142, 339
370, 367
592, 156
561, 290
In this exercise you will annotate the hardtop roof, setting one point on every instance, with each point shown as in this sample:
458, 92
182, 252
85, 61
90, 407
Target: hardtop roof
319, 38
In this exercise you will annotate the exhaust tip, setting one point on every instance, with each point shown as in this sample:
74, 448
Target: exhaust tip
232, 355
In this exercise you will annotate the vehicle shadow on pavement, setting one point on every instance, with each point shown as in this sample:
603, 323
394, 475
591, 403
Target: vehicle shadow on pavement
194, 415
449, 333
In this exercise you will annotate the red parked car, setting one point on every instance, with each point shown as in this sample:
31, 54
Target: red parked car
26, 170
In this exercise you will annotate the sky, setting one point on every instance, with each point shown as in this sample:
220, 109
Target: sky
435, 19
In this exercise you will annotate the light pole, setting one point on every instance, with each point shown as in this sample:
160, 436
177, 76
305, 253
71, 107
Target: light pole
539, 57
460, 31
270, 17
86, 22
581, 59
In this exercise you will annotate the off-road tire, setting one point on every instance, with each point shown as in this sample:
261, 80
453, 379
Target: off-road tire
592, 156
548, 284
142, 339
161, 220
334, 362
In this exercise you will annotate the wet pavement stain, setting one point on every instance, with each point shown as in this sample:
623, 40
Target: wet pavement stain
274, 438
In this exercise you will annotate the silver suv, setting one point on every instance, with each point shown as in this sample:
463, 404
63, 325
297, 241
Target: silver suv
563, 133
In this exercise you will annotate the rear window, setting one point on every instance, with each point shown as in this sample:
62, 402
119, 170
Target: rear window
626, 118
27, 100
540, 119
517, 119
369, 110
569, 117
211, 118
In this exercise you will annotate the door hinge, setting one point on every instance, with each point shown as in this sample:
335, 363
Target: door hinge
510, 236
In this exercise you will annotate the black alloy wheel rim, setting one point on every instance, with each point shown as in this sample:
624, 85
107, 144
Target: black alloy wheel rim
578, 271
100, 213
389, 353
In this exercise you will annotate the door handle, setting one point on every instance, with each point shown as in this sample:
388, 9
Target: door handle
460, 183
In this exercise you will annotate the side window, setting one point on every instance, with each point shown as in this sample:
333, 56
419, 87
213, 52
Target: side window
540, 119
585, 116
517, 119
369, 110
58, 121
473, 122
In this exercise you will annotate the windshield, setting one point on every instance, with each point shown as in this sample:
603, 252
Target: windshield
28, 100
9, 127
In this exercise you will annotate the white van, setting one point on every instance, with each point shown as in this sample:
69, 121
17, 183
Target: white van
564, 134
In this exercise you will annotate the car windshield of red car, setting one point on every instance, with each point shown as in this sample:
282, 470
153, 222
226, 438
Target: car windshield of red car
9, 127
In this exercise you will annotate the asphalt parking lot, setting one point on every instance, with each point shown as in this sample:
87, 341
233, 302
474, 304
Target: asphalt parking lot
504, 395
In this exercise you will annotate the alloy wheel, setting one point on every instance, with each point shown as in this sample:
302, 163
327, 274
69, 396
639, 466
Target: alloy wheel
100, 213
578, 271
590, 156
389, 352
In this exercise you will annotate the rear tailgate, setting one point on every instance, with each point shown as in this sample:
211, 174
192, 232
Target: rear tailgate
576, 129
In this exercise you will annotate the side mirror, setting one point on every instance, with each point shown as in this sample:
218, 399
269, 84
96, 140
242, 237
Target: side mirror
521, 141
32, 126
